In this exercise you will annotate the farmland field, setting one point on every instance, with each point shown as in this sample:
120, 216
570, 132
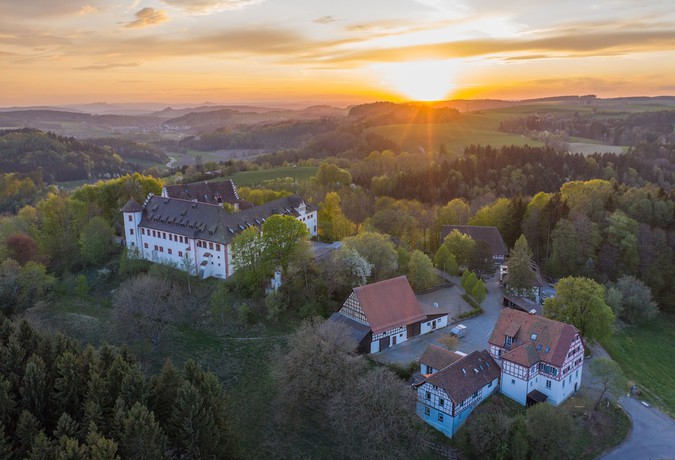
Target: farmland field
299, 173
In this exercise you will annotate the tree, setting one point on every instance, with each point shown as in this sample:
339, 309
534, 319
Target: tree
332, 175
248, 257
470, 282
333, 224
34, 283
188, 265
420, 271
608, 375
489, 434
141, 437
146, 305
581, 303
479, 292
378, 250
449, 341
552, 430
622, 235
350, 268
564, 253
21, 247
636, 301
316, 366
393, 433
460, 245
446, 261
96, 241
521, 277
281, 235
480, 260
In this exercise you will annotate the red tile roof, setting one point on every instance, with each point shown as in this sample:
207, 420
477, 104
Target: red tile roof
438, 357
389, 304
553, 335
463, 378
525, 355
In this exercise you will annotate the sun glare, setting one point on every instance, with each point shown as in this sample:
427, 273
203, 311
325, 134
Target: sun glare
421, 80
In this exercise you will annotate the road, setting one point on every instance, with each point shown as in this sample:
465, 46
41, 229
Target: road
652, 436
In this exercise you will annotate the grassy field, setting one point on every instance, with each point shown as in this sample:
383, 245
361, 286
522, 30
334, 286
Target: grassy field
298, 173
645, 355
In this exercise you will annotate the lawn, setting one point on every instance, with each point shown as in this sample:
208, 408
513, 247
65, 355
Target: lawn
298, 173
645, 355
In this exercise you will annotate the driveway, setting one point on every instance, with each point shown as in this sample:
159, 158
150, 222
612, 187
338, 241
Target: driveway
652, 436
479, 328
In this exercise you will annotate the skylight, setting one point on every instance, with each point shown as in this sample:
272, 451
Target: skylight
533, 336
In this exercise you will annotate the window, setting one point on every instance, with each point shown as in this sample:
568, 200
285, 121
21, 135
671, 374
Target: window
142, 231
563, 384
169, 251
507, 341
217, 247
548, 383
533, 336
427, 411
490, 385
513, 381
131, 218
161, 249
428, 396
441, 402
180, 253
440, 417
131, 231
164, 235
156, 248
577, 373
145, 245
211, 246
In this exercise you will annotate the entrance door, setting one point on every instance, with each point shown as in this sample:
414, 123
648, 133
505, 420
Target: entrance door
393, 340
413, 330
384, 343
575, 386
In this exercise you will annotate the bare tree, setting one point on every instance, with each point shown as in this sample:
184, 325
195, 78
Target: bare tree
146, 305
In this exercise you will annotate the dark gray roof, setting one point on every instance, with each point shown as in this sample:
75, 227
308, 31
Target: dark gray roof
490, 235
132, 206
464, 377
357, 331
205, 192
211, 222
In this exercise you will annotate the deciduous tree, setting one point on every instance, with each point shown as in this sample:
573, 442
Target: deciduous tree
608, 375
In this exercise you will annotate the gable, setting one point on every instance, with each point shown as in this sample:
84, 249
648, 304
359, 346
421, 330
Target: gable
389, 304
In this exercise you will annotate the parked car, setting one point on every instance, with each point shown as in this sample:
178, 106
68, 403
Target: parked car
459, 330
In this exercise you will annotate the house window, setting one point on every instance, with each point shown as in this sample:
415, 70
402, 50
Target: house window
131, 218
131, 231
169, 251
211, 246
161, 249
142, 231
577, 373
441, 402
490, 385
428, 396
217, 247
440, 417
513, 381
563, 384
548, 383
427, 411
156, 248
145, 245
507, 341
533, 336
180, 253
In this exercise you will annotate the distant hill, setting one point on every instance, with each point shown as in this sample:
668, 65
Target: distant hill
59, 158
388, 113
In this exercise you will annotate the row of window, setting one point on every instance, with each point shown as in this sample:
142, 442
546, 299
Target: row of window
161, 249
178, 239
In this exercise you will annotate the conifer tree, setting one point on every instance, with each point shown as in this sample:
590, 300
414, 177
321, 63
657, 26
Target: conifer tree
164, 390
42, 448
6, 448
521, 277
66, 427
68, 383
141, 436
27, 428
479, 292
34, 388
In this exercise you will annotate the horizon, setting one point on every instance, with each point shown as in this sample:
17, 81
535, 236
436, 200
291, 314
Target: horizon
255, 51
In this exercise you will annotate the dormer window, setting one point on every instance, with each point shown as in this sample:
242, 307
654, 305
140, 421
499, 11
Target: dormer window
533, 336
508, 341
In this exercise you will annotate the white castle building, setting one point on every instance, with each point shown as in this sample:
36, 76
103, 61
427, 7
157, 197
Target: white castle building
173, 231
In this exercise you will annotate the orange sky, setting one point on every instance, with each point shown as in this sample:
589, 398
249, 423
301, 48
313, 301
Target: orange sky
191, 51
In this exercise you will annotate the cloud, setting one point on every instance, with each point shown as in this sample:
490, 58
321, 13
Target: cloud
107, 65
210, 6
325, 19
87, 9
148, 17
45, 8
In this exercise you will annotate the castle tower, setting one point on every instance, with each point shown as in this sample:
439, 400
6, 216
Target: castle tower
133, 213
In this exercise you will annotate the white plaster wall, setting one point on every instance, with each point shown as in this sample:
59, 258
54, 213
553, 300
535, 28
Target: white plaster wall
516, 391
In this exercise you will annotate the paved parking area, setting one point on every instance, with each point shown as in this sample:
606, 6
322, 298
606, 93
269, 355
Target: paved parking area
478, 332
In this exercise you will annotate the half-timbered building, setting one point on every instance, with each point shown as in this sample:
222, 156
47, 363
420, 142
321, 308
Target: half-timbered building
447, 397
171, 230
541, 359
390, 313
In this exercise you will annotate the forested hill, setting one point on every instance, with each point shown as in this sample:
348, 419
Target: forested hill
59, 158
385, 113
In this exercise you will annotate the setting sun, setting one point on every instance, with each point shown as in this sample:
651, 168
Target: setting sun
421, 80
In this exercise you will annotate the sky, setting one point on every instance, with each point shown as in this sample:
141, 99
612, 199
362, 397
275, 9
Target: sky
335, 52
